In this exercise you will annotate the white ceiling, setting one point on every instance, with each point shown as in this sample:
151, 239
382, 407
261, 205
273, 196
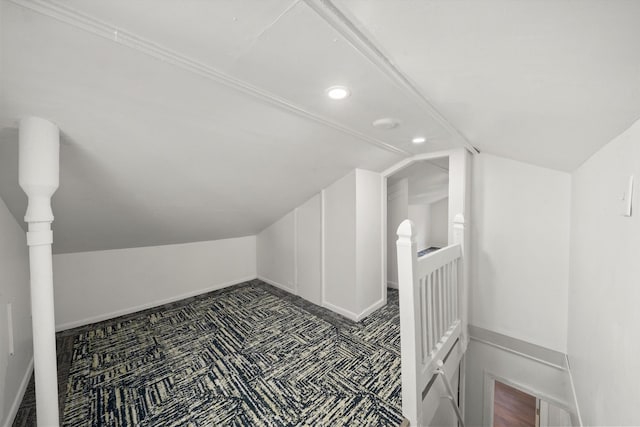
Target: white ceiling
544, 82
195, 120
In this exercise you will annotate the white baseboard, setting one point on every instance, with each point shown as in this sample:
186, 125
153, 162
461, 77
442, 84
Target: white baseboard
278, 285
157, 303
351, 315
344, 312
373, 307
392, 285
13, 410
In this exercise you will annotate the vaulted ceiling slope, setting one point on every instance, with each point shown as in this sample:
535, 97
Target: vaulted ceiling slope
190, 120
186, 121
544, 82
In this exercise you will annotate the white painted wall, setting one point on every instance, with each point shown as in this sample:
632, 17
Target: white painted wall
289, 251
439, 223
276, 253
604, 319
486, 361
344, 223
309, 250
14, 288
520, 250
370, 290
420, 215
340, 244
397, 211
93, 286
460, 190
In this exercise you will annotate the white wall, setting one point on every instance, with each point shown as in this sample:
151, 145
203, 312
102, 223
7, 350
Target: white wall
14, 288
309, 250
520, 250
397, 211
439, 223
604, 318
328, 249
369, 270
460, 189
340, 244
289, 251
93, 286
276, 253
420, 215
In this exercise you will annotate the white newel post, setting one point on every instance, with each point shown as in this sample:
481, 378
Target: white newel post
410, 340
39, 178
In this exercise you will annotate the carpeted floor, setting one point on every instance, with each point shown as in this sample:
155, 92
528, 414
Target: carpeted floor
246, 355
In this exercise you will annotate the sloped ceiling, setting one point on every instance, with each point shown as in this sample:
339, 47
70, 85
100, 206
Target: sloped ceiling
193, 120
544, 82
197, 122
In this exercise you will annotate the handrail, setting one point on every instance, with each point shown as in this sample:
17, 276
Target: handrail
441, 372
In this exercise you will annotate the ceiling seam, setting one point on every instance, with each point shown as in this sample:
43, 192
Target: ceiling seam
293, 4
339, 21
90, 24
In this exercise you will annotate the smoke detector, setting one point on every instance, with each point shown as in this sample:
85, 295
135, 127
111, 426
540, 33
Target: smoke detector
386, 123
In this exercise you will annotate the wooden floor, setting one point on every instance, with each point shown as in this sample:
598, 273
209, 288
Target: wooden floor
513, 408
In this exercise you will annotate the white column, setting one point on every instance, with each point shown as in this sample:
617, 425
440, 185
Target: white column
39, 178
459, 237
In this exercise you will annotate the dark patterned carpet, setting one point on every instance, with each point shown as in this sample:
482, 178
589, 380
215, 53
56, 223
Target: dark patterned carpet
248, 355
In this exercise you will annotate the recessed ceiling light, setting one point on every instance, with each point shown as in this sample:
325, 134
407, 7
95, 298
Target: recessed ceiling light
338, 92
419, 140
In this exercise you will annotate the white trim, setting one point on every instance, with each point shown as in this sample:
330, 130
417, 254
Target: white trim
157, 303
346, 27
373, 307
344, 312
12, 349
518, 353
350, 314
575, 396
295, 250
13, 410
462, 384
392, 285
322, 248
278, 285
417, 158
92, 25
383, 234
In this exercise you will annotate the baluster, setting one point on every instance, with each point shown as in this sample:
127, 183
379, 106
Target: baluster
434, 288
448, 295
430, 312
444, 299
423, 318
441, 301
452, 296
455, 289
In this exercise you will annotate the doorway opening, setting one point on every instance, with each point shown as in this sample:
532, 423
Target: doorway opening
419, 192
513, 407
